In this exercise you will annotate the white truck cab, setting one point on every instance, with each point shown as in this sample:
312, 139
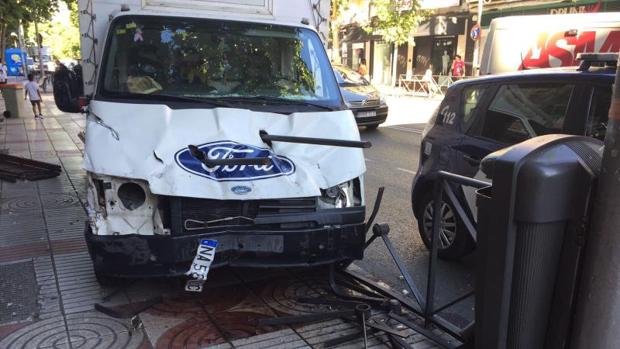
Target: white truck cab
216, 127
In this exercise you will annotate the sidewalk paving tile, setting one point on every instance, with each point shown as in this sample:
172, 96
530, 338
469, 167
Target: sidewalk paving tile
41, 230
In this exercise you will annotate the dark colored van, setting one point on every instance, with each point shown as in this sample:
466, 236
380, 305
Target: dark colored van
482, 115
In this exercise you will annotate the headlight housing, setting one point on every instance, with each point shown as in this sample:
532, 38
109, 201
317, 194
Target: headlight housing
346, 194
131, 195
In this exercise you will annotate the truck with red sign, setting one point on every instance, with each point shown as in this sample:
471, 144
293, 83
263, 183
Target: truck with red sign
547, 41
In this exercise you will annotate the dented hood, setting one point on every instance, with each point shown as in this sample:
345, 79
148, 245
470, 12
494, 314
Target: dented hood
149, 142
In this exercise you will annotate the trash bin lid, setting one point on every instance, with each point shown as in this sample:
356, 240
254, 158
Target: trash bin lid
12, 86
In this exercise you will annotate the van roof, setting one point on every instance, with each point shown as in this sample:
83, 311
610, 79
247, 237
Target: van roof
266, 20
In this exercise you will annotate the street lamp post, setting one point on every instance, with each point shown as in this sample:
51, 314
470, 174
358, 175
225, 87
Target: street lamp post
476, 60
22, 47
598, 303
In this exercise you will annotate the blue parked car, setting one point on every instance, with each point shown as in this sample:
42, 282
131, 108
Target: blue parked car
482, 115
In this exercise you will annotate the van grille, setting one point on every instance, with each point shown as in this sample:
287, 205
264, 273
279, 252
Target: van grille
203, 210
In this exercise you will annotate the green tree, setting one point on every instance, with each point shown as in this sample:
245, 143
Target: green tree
396, 21
60, 33
335, 22
16, 12
10, 14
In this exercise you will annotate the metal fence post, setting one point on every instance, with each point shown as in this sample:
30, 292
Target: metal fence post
429, 307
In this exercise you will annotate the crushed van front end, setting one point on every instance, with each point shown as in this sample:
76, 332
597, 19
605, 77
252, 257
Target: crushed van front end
134, 233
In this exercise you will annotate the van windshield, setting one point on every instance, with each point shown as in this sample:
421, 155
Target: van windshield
215, 59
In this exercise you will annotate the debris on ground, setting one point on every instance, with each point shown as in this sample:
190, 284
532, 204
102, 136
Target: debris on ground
13, 168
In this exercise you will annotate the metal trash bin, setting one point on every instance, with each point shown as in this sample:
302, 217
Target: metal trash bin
530, 238
13, 95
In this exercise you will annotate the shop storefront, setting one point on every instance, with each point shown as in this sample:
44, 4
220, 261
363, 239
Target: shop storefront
438, 41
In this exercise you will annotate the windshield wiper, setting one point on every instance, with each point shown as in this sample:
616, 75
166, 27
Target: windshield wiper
173, 98
267, 138
202, 157
276, 100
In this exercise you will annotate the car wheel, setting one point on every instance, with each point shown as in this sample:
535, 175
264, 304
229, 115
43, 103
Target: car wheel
454, 240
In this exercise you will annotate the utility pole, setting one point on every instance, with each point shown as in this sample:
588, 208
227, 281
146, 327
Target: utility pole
598, 300
22, 47
476, 60
39, 41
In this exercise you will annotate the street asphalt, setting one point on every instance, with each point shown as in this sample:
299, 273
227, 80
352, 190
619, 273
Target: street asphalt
392, 162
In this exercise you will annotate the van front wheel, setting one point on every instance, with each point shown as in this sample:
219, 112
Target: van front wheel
454, 240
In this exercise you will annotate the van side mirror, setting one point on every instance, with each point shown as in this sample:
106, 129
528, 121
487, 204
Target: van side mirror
69, 89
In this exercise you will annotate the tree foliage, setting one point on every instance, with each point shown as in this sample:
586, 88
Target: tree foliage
12, 12
335, 22
60, 33
396, 20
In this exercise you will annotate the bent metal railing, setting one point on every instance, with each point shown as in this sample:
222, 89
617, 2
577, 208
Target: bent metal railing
441, 186
424, 305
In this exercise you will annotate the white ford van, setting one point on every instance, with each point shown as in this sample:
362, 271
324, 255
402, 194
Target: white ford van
217, 136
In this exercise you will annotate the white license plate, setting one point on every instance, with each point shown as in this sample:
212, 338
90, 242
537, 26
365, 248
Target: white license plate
200, 267
366, 114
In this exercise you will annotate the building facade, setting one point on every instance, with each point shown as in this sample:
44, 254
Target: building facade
443, 36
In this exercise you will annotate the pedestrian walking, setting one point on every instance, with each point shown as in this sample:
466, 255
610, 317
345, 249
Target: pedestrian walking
458, 67
429, 83
32, 91
362, 69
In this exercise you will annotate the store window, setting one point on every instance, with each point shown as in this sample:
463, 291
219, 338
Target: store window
442, 55
382, 64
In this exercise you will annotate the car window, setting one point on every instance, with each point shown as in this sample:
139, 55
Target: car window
521, 111
471, 97
346, 76
505, 128
599, 108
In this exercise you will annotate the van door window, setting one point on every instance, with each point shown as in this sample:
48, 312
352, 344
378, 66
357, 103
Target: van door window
599, 108
521, 111
470, 98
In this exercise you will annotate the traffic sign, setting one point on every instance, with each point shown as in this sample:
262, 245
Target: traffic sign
474, 34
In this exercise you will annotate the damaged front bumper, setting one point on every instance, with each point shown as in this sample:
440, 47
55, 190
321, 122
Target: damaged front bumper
153, 255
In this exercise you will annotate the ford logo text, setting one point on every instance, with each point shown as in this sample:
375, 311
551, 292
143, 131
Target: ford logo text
279, 166
240, 189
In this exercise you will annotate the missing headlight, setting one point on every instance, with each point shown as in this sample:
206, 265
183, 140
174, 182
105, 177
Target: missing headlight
131, 195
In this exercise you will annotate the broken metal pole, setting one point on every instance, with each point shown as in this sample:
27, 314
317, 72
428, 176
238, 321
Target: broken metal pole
598, 306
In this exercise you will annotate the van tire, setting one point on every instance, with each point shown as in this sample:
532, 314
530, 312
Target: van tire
462, 244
